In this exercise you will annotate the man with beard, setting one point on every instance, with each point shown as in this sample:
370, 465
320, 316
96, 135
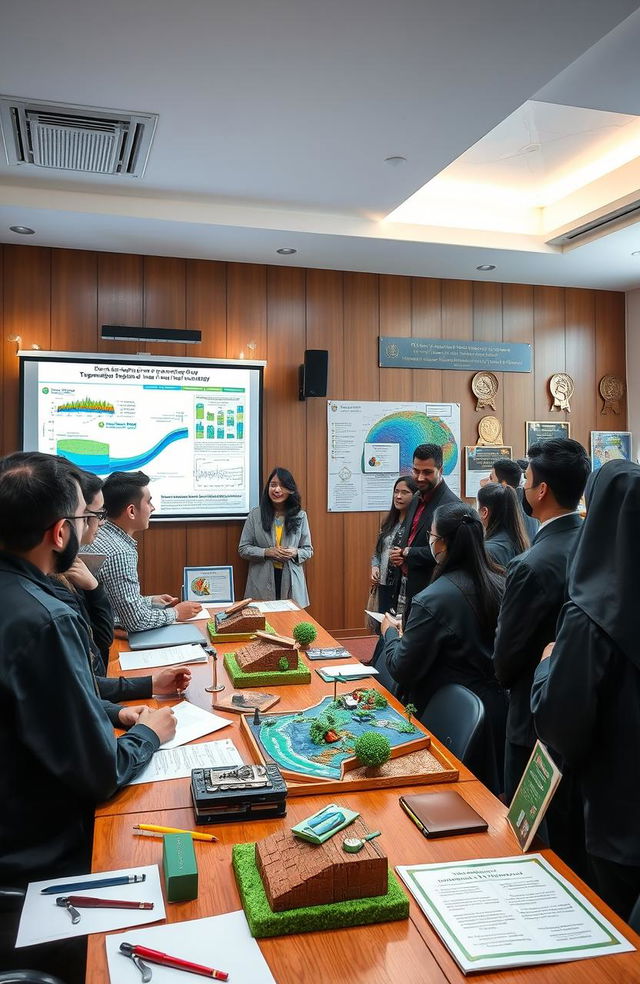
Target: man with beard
413, 555
58, 751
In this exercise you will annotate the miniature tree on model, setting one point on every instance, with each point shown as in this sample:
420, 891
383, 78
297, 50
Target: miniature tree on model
304, 633
372, 749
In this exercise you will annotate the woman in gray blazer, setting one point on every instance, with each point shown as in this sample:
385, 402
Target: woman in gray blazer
276, 541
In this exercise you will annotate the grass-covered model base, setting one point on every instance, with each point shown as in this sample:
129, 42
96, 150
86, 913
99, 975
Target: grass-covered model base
337, 915
266, 678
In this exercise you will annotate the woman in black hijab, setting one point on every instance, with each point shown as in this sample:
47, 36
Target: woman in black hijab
586, 696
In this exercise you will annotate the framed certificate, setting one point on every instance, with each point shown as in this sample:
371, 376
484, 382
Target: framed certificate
209, 585
609, 445
479, 461
544, 430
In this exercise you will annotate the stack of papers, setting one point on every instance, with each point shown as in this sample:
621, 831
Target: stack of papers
168, 656
193, 722
42, 920
276, 606
177, 763
348, 671
219, 942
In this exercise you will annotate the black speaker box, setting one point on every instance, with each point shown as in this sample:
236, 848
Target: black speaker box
313, 374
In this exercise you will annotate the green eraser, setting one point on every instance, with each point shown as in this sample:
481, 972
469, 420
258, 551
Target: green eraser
180, 868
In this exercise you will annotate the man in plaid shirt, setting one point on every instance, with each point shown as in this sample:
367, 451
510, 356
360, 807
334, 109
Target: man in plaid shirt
128, 507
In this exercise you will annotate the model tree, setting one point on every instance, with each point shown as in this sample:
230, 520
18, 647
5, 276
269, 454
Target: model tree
304, 633
372, 749
410, 710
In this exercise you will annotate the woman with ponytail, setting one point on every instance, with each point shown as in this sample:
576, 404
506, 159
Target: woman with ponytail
505, 535
450, 631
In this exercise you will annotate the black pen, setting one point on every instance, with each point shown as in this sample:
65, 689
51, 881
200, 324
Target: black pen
98, 883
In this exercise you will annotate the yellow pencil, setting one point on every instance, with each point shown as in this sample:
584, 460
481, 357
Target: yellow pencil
152, 830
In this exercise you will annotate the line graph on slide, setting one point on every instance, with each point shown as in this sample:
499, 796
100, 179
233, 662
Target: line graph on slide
95, 457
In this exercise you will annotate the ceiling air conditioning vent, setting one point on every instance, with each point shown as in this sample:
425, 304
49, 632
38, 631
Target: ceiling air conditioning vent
76, 138
597, 227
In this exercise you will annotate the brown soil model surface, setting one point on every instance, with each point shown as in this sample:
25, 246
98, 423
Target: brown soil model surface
297, 874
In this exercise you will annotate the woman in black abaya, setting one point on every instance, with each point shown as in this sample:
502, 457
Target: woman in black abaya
586, 696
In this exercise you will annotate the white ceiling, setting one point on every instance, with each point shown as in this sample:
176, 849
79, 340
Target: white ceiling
276, 117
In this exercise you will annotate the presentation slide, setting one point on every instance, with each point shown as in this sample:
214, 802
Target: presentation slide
192, 426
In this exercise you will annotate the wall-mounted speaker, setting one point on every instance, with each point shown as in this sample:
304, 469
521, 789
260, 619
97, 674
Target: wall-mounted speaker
313, 374
123, 333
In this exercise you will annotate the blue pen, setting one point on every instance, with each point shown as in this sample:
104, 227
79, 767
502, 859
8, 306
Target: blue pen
98, 883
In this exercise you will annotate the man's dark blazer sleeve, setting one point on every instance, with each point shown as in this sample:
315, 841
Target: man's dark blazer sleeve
524, 606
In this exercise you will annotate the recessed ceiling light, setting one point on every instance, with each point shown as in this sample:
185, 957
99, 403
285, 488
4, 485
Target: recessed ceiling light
286, 251
486, 266
395, 160
22, 230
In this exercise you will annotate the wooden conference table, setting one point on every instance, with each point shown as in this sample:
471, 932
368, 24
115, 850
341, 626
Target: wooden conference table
407, 951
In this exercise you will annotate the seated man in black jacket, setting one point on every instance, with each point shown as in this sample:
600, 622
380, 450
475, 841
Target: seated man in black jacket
59, 755
79, 589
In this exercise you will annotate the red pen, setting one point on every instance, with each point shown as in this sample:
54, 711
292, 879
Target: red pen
155, 956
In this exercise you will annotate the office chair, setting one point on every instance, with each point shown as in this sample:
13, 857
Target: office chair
455, 715
634, 918
11, 900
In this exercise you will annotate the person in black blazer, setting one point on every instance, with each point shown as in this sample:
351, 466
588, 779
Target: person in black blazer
413, 555
536, 586
450, 631
504, 532
586, 696
508, 472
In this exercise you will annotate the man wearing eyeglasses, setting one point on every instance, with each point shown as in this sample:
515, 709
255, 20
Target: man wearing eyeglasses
129, 508
58, 751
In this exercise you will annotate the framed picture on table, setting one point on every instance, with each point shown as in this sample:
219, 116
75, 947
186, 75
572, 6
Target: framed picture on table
209, 585
545, 430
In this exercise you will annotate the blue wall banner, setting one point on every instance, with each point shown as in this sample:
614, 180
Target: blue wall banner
445, 353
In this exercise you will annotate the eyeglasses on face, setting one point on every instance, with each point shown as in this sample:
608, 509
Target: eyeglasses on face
99, 514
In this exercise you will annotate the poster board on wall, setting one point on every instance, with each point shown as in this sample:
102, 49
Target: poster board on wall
369, 444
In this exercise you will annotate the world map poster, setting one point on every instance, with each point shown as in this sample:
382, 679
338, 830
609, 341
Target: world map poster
371, 444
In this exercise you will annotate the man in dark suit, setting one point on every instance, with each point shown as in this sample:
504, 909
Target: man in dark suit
508, 472
536, 587
413, 555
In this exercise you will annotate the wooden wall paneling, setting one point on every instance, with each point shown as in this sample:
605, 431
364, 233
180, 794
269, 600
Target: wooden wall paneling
519, 387
165, 552
207, 307
74, 301
3, 353
26, 311
610, 353
324, 329
361, 309
285, 417
246, 324
548, 348
165, 300
580, 351
395, 320
457, 323
487, 327
165, 544
426, 322
120, 297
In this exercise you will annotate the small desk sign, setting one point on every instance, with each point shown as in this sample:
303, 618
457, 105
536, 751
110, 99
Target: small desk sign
209, 585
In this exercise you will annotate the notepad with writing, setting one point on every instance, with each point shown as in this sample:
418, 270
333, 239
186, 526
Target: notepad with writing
442, 813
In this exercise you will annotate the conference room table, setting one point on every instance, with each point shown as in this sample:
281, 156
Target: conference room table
401, 952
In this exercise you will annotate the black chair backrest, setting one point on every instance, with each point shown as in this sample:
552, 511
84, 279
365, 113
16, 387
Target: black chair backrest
27, 977
634, 918
455, 715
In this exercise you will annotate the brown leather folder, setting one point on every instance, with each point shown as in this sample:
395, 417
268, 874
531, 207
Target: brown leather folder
442, 813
